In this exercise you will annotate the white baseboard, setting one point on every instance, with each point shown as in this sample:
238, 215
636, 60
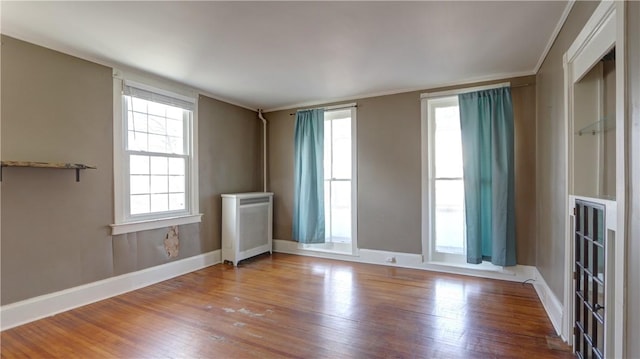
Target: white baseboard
518, 273
32, 309
550, 302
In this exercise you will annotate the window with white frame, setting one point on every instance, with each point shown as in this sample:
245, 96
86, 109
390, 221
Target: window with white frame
155, 159
338, 175
446, 186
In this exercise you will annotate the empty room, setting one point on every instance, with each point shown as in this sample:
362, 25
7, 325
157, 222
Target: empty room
320, 179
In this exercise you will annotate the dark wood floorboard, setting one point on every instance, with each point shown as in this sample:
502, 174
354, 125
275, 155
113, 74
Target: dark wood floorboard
285, 306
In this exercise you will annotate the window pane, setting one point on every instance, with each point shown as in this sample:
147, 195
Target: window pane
175, 113
159, 202
175, 145
327, 149
158, 143
448, 142
176, 166
139, 165
157, 125
176, 201
174, 128
139, 184
137, 141
138, 122
176, 183
159, 184
139, 204
449, 216
159, 165
341, 210
342, 148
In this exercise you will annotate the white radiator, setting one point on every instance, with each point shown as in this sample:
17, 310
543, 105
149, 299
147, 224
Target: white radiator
246, 225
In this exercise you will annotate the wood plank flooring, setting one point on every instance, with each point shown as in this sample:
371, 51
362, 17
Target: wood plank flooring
286, 306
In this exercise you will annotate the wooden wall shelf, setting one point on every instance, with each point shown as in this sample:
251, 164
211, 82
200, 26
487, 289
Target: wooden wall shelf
66, 166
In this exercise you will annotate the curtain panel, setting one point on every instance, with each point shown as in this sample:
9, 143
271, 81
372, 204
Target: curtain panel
308, 208
486, 122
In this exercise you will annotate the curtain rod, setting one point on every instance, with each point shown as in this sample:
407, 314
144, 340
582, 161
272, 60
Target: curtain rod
461, 90
328, 108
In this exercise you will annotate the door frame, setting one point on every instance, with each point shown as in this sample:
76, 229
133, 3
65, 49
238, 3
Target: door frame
604, 30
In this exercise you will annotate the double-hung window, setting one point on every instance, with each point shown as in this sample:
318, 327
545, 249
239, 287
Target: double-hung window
337, 175
446, 186
156, 175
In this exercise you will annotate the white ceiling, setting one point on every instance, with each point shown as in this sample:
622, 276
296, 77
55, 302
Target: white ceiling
281, 54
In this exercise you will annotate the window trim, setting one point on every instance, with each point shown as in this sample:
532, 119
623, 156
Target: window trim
122, 224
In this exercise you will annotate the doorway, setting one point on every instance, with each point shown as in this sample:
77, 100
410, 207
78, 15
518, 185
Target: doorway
594, 72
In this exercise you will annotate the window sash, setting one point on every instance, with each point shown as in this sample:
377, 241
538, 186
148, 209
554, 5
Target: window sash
187, 123
151, 192
142, 92
440, 252
330, 180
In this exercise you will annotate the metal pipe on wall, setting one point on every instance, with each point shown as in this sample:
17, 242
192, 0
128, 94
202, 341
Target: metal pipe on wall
264, 150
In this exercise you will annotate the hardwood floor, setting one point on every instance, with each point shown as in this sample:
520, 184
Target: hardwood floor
294, 306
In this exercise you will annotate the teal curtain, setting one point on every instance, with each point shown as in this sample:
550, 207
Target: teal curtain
486, 122
308, 207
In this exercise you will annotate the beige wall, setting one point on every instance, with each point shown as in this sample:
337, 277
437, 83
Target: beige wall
389, 171
550, 146
524, 110
230, 141
55, 232
633, 204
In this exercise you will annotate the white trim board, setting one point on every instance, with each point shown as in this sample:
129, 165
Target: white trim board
552, 305
29, 310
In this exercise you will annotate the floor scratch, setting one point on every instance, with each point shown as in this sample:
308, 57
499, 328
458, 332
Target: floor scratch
249, 313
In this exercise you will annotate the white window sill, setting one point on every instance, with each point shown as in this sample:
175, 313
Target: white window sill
130, 227
333, 248
484, 266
